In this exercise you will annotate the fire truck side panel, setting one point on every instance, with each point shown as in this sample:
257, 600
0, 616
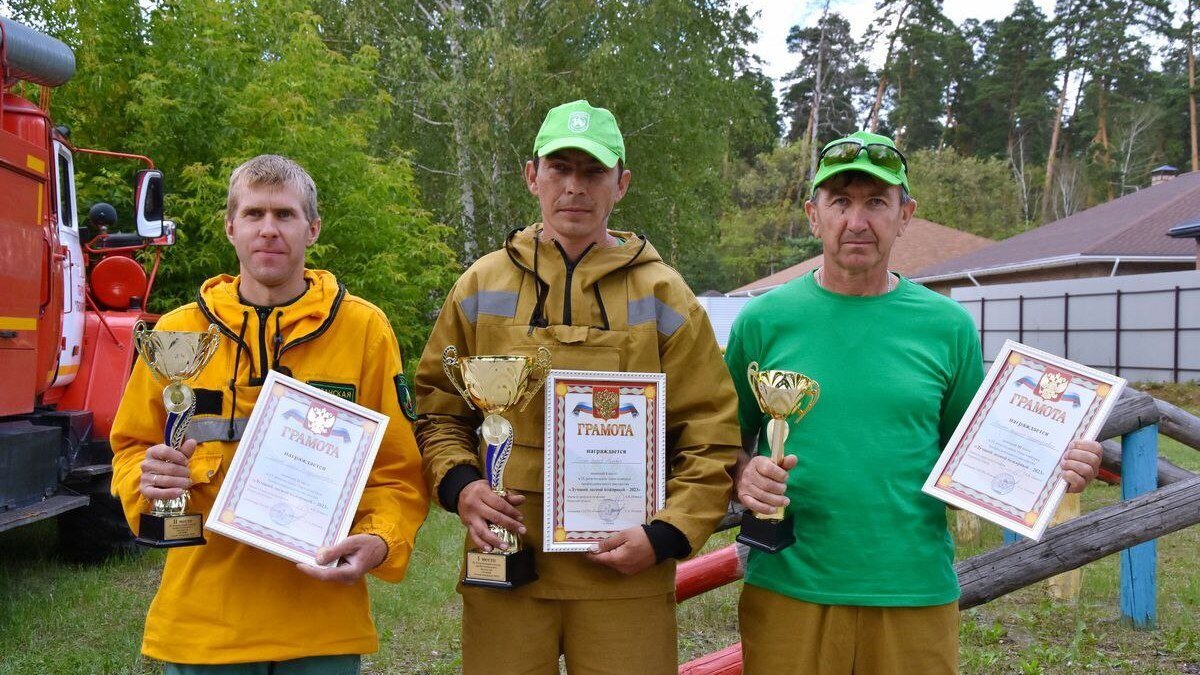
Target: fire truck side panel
107, 360
22, 248
25, 157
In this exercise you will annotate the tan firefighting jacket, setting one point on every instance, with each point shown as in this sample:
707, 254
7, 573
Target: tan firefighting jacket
225, 602
618, 308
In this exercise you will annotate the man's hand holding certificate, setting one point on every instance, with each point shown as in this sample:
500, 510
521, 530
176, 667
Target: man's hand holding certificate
1024, 441
297, 477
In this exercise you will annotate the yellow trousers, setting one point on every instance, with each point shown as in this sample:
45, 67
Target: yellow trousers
782, 635
505, 634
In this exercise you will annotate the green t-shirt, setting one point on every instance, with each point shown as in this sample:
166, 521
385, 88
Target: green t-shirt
896, 372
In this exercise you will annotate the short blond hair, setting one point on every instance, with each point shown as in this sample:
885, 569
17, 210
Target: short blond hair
272, 171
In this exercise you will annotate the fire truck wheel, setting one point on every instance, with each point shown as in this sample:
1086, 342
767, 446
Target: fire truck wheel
95, 532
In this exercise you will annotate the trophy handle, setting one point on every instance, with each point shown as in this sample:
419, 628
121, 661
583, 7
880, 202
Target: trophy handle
807, 402
752, 376
141, 342
541, 365
449, 362
212, 340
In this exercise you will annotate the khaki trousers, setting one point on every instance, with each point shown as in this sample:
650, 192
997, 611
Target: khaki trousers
782, 635
506, 634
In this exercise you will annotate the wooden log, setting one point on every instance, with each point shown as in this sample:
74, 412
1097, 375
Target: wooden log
1134, 410
1167, 471
1139, 564
1103, 532
711, 570
728, 661
1178, 424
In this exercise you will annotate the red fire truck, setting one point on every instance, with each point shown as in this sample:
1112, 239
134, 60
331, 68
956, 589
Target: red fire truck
70, 294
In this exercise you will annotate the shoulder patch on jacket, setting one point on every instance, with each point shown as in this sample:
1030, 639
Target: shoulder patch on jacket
408, 403
346, 391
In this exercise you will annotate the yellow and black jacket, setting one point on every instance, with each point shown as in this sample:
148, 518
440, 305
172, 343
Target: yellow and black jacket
617, 308
225, 602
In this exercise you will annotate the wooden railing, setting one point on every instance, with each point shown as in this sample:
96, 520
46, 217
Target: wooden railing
1158, 498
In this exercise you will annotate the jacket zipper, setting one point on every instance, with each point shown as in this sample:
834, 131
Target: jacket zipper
263, 313
567, 318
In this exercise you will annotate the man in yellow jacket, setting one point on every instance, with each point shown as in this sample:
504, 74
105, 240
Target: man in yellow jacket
225, 602
599, 300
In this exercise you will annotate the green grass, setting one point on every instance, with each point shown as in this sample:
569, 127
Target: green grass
62, 618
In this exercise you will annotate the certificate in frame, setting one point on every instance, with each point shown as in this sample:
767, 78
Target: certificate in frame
297, 475
605, 458
1002, 463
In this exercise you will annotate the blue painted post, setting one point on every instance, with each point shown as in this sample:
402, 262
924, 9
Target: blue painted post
1139, 573
1010, 537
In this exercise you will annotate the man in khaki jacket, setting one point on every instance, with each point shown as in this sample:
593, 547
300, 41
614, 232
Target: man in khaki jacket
600, 300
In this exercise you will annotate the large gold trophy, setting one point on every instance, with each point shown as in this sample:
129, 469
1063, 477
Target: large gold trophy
496, 384
174, 356
782, 394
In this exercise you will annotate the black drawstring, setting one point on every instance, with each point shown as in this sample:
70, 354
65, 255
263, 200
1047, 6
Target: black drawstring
237, 359
600, 301
538, 318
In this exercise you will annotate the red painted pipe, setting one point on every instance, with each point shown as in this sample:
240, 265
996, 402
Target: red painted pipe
728, 661
709, 571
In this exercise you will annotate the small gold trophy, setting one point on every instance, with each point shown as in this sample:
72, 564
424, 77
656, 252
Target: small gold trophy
495, 384
780, 394
174, 356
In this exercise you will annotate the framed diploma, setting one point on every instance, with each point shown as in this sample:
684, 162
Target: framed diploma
294, 483
1002, 461
605, 455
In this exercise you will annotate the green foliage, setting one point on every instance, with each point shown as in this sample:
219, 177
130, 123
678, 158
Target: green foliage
471, 81
767, 231
967, 193
227, 80
844, 78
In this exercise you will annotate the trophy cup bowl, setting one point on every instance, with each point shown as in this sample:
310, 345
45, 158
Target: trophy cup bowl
781, 394
173, 357
496, 384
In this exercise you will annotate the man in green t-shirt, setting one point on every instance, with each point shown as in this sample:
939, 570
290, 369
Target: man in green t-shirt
869, 585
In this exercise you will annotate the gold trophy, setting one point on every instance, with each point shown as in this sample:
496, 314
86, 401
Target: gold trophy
494, 385
174, 356
780, 394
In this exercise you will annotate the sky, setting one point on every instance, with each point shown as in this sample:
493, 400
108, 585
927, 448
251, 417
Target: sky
776, 18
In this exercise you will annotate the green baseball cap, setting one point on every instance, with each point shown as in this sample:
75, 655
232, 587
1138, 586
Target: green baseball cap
579, 125
875, 155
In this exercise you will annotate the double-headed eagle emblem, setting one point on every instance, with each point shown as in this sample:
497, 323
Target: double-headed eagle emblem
320, 420
1052, 386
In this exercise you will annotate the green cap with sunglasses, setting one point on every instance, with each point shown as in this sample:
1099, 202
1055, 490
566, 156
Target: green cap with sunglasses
863, 151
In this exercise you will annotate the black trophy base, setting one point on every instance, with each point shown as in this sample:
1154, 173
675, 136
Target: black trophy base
497, 570
170, 531
771, 536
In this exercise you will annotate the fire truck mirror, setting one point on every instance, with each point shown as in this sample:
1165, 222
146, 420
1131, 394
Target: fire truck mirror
149, 199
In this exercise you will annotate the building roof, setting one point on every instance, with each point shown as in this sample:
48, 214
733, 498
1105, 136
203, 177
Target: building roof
1133, 226
923, 244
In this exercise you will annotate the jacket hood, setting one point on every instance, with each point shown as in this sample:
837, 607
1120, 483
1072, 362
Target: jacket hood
521, 246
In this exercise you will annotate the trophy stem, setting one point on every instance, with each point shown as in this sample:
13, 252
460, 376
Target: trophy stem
180, 404
777, 433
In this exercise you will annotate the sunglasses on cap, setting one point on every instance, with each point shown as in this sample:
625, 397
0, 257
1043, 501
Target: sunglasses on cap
848, 150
